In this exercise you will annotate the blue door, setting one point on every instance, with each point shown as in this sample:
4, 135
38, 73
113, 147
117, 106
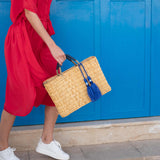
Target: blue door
155, 59
119, 34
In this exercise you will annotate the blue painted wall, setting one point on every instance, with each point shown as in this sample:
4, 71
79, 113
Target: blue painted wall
124, 35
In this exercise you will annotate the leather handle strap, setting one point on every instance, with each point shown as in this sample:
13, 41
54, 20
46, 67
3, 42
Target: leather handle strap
71, 59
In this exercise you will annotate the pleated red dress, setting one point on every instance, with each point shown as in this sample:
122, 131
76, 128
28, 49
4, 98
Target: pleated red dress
28, 59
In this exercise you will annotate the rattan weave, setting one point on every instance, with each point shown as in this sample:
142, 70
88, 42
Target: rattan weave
69, 92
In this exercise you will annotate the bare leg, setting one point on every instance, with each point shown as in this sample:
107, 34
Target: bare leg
51, 115
6, 124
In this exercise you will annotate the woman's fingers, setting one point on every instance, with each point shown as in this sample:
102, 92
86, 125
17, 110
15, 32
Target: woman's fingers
60, 60
64, 57
58, 54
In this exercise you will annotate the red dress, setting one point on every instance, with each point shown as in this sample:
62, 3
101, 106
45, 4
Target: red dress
28, 59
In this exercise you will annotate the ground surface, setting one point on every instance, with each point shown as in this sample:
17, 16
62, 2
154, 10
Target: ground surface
138, 150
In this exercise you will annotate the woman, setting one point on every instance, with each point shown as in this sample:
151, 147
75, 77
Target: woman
31, 57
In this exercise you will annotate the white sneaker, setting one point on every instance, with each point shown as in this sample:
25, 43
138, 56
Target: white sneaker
8, 154
52, 149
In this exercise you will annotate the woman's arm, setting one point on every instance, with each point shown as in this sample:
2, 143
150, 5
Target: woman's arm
36, 23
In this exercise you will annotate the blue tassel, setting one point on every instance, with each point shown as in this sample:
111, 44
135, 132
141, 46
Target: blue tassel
93, 91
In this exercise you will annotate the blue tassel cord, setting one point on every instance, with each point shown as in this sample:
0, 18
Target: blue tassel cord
93, 91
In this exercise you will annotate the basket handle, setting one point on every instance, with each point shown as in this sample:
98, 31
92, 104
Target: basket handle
71, 59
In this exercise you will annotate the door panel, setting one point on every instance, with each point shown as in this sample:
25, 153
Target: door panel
125, 57
155, 59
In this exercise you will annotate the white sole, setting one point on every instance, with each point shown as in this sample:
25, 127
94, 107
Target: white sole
41, 151
1, 159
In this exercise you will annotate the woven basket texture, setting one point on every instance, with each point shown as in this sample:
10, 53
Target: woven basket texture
69, 92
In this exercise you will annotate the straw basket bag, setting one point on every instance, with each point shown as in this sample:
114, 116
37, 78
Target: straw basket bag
77, 86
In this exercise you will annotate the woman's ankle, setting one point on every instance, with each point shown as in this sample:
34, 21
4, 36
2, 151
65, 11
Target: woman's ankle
46, 139
3, 144
3, 147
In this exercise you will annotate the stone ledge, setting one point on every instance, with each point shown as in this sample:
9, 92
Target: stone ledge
89, 133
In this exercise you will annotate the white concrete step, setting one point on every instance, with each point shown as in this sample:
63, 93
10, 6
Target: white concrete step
89, 133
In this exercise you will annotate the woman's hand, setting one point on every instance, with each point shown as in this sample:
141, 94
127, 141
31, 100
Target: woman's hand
57, 53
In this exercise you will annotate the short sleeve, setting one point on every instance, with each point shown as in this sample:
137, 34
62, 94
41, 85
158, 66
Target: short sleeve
30, 5
18, 6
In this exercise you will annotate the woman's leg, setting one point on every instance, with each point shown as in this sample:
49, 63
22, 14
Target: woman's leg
45, 146
51, 115
6, 124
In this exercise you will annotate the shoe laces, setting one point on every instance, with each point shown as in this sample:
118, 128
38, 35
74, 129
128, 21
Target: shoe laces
58, 144
11, 150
